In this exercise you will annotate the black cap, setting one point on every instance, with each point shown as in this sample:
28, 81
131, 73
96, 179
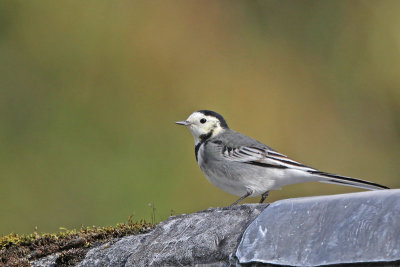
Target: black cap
216, 115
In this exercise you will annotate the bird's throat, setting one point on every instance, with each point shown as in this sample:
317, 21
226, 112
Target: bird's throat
206, 136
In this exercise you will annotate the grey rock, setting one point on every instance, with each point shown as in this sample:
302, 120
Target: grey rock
205, 238
338, 229
49, 261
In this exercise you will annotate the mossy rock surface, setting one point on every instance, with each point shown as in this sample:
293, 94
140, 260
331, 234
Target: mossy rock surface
70, 245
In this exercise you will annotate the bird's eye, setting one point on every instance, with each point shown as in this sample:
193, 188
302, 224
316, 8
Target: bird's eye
203, 120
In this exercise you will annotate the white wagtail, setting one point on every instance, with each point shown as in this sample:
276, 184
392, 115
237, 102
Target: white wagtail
245, 167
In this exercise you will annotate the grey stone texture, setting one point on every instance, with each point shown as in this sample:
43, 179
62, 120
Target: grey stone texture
49, 261
338, 229
207, 238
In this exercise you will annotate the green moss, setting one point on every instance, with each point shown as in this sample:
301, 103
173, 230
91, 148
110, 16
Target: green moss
18, 250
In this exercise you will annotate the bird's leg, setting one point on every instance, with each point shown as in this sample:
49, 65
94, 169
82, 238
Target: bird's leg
264, 196
249, 192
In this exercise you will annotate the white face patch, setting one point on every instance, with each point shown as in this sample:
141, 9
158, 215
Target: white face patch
201, 126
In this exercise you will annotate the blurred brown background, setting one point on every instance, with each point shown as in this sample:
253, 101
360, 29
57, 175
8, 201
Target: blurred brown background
90, 92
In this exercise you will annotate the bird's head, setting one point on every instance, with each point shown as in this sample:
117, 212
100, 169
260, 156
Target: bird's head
204, 124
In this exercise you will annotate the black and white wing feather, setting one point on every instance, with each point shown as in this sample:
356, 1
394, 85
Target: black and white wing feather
261, 156
269, 158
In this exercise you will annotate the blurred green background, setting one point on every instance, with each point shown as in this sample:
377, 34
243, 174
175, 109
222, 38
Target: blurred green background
90, 92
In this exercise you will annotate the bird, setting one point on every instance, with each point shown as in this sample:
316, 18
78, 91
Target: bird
245, 167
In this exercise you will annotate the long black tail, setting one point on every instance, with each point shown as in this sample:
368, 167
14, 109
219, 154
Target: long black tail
348, 181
